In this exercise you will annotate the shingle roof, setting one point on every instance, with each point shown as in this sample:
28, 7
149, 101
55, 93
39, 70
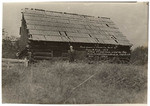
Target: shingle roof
68, 27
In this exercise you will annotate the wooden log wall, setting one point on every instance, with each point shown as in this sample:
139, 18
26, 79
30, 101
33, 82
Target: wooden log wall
50, 50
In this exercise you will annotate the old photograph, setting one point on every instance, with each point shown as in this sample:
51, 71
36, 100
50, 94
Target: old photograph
75, 52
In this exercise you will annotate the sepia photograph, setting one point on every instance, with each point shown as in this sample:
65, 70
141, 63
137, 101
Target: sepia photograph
74, 52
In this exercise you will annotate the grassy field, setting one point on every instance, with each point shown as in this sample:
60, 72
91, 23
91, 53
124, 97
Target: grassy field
62, 82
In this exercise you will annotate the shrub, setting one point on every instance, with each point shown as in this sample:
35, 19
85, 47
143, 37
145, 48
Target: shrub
124, 77
9, 47
139, 56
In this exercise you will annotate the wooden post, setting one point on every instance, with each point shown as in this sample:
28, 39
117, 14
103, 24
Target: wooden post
8, 65
26, 62
30, 58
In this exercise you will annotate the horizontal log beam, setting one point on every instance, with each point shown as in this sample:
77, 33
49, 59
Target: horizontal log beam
50, 53
13, 60
48, 58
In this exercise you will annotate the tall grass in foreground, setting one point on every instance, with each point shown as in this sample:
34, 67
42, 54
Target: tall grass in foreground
52, 82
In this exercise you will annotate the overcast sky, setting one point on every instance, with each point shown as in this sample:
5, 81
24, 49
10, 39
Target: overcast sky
131, 18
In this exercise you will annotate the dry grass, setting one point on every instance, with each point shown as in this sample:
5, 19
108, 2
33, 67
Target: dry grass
51, 82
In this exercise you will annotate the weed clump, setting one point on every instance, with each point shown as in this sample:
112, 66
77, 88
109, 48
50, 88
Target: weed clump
131, 78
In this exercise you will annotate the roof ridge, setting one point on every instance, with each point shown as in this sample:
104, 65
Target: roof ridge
64, 13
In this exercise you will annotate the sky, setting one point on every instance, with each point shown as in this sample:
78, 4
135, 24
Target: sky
131, 18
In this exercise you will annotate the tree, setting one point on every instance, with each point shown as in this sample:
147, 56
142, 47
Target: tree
9, 45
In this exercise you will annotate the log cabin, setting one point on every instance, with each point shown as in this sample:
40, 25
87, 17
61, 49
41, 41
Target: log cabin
49, 34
